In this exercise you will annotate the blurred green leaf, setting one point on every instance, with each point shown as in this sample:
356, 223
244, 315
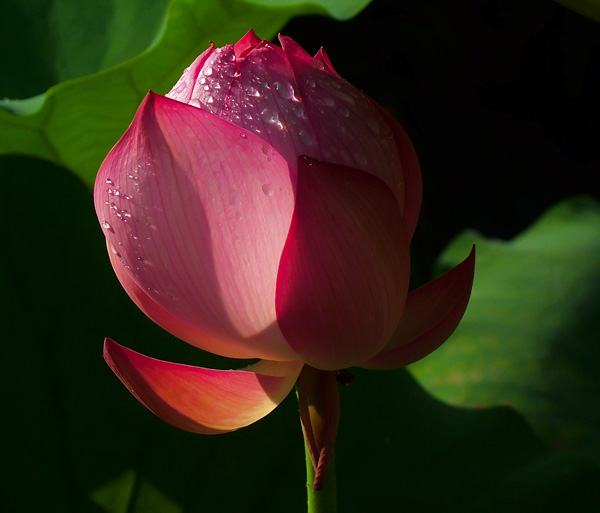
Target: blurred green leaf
339, 9
80, 440
588, 8
530, 337
57, 40
77, 122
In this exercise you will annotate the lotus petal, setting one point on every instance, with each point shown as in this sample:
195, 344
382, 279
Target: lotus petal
200, 400
345, 267
432, 313
348, 127
197, 211
411, 174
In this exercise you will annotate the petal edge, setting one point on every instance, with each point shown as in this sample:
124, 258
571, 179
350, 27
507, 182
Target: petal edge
431, 315
200, 400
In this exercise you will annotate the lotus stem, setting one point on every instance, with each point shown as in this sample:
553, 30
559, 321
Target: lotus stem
325, 500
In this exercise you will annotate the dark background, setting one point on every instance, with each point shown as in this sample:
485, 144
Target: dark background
500, 97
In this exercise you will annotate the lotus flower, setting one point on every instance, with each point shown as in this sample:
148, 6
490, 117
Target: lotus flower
264, 209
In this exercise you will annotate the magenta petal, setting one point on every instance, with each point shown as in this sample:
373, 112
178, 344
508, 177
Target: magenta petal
246, 44
349, 128
411, 174
182, 90
200, 400
293, 49
345, 267
322, 61
432, 313
197, 212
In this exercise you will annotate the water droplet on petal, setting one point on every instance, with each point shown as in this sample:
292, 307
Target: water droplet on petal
285, 89
299, 111
373, 125
106, 225
251, 91
267, 189
195, 102
202, 81
346, 97
109, 181
208, 71
210, 100
310, 82
269, 115
265, 149
307, 136
243, 135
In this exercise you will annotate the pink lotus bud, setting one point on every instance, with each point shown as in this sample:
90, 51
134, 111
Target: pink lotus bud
263, 209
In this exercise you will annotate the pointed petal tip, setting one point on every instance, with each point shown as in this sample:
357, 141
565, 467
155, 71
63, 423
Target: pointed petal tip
323, 59
246, 44
294, 52
432, 313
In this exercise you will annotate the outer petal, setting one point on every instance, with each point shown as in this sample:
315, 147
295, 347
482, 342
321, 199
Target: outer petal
344, 271
198, 211
349, 127
432, 313
200, 400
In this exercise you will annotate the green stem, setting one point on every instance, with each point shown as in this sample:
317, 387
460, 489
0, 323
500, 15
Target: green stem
324, 501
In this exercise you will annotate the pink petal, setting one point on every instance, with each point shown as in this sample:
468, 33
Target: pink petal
411, 174
200, 400
198, 211
322, 62
432, 313
258, 93
319, 405
246, 44
182, 90
344, 270
349, 127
